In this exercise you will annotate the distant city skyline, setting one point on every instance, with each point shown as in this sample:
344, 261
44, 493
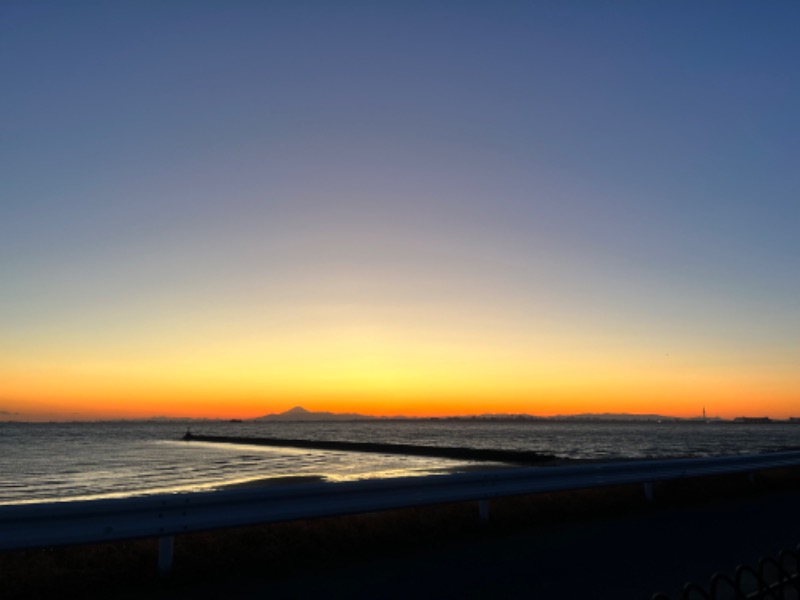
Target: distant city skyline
219, 209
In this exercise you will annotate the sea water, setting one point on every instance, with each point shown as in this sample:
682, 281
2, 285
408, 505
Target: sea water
42, 462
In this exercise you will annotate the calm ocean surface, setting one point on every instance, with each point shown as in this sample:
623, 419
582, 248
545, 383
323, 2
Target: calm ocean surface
68, 461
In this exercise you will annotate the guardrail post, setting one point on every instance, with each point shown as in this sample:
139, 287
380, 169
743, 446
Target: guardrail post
483, 511
649, 493
166, 547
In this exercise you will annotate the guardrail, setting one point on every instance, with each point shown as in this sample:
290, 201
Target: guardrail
166, 515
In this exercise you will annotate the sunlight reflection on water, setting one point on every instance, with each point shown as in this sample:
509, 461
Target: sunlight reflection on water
70, 461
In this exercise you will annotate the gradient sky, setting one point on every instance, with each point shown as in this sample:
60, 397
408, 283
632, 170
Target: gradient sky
420, 208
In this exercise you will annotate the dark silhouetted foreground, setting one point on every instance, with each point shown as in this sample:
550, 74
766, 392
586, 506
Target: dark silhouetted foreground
603, 543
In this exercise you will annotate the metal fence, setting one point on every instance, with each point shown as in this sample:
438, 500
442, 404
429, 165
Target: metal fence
774, 578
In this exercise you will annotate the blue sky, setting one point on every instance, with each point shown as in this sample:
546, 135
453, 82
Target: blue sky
600, 182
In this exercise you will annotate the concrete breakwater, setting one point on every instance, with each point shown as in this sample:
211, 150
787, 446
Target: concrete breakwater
457, 453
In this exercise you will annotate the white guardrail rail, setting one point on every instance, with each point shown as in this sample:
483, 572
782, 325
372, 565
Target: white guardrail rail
166, 515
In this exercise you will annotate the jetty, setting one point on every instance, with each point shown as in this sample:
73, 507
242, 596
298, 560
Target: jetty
452, 452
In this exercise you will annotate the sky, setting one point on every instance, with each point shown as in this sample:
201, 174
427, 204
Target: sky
226, 209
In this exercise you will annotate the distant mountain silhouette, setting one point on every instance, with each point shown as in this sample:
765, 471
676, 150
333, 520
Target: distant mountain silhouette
298, 413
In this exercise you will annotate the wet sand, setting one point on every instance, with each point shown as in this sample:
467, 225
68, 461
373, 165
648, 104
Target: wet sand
275, 481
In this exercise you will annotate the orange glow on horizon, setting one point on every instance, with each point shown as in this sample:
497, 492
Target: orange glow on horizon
137, 402
383, 377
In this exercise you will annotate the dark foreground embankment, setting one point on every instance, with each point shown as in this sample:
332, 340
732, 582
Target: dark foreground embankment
606, 543
457, 453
